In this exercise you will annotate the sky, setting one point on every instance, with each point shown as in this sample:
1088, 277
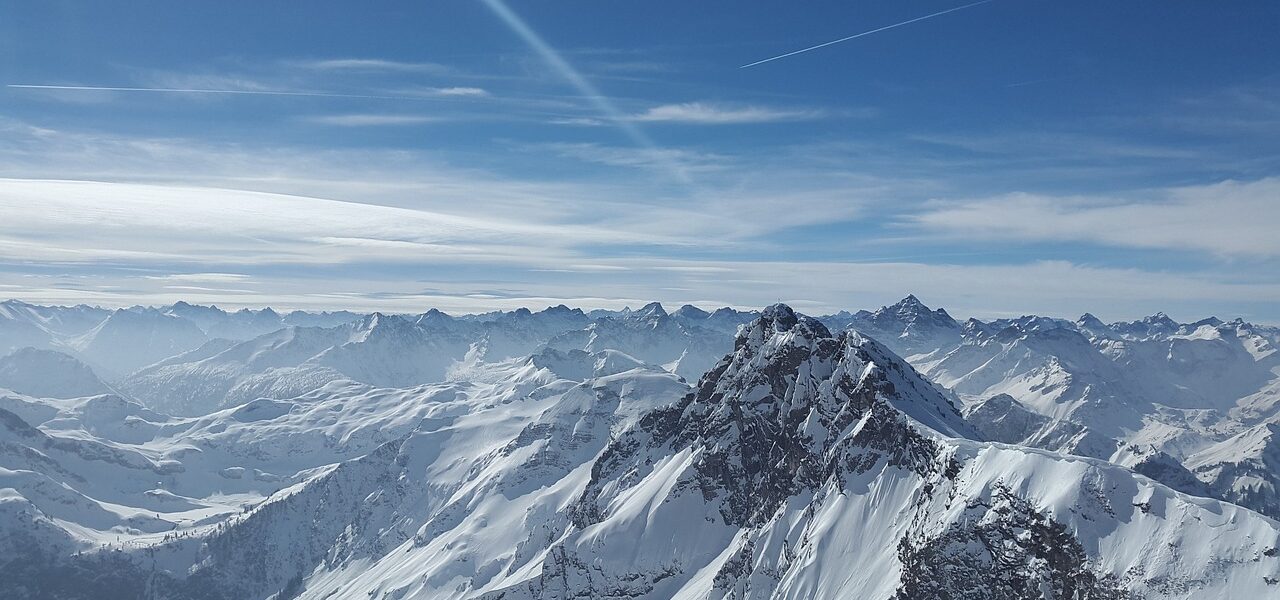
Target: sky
1006, 158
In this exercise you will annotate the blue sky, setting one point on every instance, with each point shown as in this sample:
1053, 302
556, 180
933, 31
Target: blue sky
1011, 157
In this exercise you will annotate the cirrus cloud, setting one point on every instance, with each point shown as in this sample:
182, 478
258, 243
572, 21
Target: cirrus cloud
703, 113
1230, 218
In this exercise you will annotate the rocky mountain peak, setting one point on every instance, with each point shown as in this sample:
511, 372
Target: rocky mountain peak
652, 310
434, 318
911, 300
691, 312
1090, 321
792, 407
910, 311
562, 310
975, 328
778, 326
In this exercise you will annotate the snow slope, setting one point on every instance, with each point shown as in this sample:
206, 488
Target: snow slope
380, 350
48, 373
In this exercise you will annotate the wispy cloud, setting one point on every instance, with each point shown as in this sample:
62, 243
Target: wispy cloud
1044, 287
702, 113
652, 158
631, 67
304, 248
374, 64
201, 277
1230, 218
87, 222
468, 92
372, 120
167, 90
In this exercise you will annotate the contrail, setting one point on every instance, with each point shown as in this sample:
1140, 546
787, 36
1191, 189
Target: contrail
858, 35
582, 85
100, 88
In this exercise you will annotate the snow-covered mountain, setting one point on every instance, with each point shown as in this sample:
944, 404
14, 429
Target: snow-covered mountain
381, 350
27, 325
398, 351
48, 374
654, 336
132, 338
803, 464
909, 327
1147, 394
1244, 468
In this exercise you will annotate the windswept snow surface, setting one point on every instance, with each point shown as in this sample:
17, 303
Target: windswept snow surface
191, 452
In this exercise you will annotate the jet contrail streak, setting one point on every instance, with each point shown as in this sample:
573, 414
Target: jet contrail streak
584, 87
865, 33
204, 91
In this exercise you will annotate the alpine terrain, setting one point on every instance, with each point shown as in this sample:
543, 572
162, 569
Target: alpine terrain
185, 451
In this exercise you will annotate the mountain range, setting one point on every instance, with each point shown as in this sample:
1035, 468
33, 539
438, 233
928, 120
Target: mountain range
185, 451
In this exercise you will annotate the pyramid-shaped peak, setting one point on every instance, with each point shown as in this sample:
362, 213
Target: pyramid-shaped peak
1089, 319
434, 316
911, 305
911, 311
973, 326
650, 310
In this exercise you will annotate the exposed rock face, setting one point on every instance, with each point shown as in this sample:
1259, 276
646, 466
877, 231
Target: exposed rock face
907, 326
1004, 549
792, 408
1244, 469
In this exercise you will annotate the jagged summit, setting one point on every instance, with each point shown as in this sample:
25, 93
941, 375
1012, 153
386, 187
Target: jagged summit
1088, 320
910, 300
374, 321
780, 317
974, 328
784, 345
791, 408
1210, 321
908, 326
561, 309
435, 319
652, 310
912, 311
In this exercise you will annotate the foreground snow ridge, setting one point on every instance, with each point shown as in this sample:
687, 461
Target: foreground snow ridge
564, 455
